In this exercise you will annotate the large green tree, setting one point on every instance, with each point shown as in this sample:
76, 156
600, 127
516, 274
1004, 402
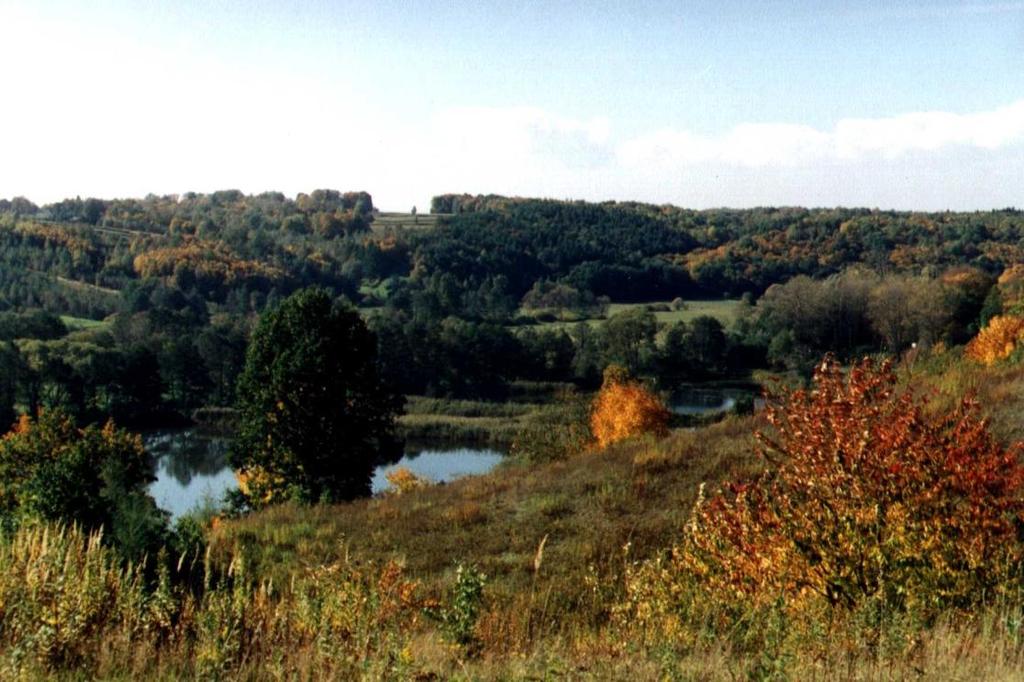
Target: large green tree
315, 416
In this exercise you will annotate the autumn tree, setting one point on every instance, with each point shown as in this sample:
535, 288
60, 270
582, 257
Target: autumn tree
805, 318
1011, 288
998, 340
315, 417
867, 495
906, 310
624, 408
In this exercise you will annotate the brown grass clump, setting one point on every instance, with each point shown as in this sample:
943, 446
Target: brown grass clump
67, 603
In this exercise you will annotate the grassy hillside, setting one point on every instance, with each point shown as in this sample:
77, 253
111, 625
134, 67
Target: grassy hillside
558, 543
565, 569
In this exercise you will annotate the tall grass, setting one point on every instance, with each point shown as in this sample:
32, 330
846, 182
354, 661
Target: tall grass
67, 604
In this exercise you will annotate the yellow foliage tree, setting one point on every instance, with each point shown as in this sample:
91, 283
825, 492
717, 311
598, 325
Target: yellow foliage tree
996, 341
625, 408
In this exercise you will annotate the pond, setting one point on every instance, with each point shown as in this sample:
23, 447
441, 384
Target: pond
192, 468
699, 400
440, 464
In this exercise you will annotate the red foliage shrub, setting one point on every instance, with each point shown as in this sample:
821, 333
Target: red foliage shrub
866, 495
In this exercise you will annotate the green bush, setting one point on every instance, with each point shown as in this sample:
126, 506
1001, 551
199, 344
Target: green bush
94, 477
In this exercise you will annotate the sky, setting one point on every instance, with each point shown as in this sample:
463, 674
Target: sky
900, 104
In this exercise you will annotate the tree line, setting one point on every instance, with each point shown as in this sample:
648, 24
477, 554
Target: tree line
182, 279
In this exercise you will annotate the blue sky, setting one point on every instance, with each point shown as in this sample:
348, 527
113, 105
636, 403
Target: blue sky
895, 105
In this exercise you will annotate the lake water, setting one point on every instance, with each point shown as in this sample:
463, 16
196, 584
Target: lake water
701, 400
440, 464
192, 468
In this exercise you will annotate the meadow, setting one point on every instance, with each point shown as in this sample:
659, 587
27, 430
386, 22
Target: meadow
725, 310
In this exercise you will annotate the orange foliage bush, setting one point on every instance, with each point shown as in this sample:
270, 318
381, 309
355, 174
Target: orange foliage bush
256, 483
625, 408
998, 340
403, 480
866, 497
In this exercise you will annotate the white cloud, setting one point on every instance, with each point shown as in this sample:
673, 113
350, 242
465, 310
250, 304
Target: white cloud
786, 145
513, 150
749, 144
518, 134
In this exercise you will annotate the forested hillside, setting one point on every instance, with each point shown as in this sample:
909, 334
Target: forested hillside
486, 291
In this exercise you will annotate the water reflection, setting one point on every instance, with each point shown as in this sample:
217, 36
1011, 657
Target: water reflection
186, 453
192, 469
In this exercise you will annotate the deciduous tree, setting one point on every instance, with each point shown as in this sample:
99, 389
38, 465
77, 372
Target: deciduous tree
315, 417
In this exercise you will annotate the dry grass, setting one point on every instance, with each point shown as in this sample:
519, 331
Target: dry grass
945, 376
589, 507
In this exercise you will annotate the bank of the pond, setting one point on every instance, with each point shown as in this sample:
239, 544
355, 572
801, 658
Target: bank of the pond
492, 423
445, 438
192, 471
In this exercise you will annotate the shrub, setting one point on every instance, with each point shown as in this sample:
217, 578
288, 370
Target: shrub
459, 615
867, 496
403, 480
54, 471
998, 340
625, 408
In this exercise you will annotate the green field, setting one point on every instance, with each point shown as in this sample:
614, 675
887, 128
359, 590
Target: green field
726, 311
79, 323
418, 221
